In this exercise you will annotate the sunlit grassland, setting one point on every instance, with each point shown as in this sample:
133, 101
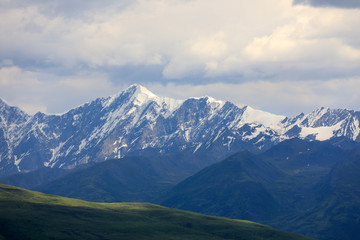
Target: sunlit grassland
26, 214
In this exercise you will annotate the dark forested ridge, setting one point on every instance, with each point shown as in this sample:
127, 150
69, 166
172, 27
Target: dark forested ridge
310, 188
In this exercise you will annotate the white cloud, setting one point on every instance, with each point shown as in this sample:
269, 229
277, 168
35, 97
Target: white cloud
36, 91
147, 30
42, 92
61, 47
316, 35
187, 37
14, 76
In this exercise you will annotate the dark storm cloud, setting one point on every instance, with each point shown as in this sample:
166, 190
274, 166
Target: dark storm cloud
330, 3
67, 8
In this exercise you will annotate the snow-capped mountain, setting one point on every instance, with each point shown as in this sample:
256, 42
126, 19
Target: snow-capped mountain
137, 121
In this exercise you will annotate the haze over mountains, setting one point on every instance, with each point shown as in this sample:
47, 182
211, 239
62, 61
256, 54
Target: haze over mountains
136, 121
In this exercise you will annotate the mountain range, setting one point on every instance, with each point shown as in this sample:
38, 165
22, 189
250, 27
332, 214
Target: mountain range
200, 154
137, 122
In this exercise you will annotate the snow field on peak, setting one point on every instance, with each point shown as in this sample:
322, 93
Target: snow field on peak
320, 133
169, 104
266, 119
356, 129
141, 96
213, 103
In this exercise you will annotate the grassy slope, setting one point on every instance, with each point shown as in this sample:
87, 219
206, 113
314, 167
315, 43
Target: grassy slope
26, 214
231, 188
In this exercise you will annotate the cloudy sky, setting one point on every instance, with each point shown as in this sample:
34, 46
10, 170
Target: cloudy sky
282, 56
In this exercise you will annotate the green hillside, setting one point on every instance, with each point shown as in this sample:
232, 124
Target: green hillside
234, 187
26, 214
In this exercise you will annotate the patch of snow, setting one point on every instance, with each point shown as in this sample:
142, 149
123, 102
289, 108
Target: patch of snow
230, 141
16, 160
258, 130
112, 119
220, 132
269, 120
236, 123
170, 104
355, 129
141, 95
69, 150
260, 140
108, 101
320, 133
214, 104
316, 115
133, 109
55, 154
133, 141
197, 147
17, 163
187, 135
81, 146
76, 118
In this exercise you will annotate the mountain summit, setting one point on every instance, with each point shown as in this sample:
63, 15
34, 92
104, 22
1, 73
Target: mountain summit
136, 121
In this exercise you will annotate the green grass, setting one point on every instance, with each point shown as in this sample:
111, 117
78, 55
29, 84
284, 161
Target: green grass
26, 214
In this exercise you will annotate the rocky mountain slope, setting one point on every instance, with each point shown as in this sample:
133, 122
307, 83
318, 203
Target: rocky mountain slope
137, 121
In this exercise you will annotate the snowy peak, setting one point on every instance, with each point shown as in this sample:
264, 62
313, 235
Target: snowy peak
323, 117
140, 95
313, 119
10, 114
212, 102
2, 102
135, 93
136, 120
325, 123
269, 120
